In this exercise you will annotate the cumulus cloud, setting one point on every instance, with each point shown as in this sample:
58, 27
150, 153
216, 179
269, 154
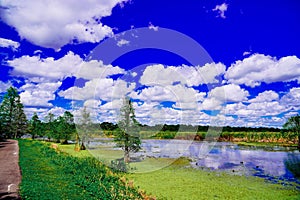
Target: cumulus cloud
38, 94
191, 76
211, 104
96, 69
265, 96
229, 93
55, 23
183, 96
257, 109
105, 89
48, 68
221, 9
6, 43
92, 103
258, 68
71, 64
292, 99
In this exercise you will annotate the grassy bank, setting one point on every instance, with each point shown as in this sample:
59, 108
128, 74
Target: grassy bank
173, 179
47, 174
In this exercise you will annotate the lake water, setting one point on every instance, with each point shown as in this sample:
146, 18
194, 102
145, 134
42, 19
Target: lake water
266, 162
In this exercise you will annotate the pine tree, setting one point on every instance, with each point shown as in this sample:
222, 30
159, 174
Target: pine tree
127, 135
35, 126
12, 117
50, 126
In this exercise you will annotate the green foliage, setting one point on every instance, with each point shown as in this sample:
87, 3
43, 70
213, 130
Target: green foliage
293, 125
35, 127
165, 135
50, 125
12, 117
47, 174
65, 127
127, 135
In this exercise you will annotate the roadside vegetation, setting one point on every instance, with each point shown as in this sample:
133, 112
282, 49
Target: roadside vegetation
47, 174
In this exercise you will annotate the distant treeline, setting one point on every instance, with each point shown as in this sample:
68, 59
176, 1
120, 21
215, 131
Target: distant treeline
188, 128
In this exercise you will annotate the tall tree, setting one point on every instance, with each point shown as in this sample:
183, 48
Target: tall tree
65, 127
84, 128
35, 126
127, 135
50, 125
293, 124
12, 116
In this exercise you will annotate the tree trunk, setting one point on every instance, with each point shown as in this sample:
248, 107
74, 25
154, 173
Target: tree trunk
126, 155
82, 146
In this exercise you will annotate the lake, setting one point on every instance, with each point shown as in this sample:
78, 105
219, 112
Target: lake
265, 162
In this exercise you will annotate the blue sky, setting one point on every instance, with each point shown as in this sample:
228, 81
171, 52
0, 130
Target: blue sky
195, 62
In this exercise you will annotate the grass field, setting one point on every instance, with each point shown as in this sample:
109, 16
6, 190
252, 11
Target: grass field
173, 179
47, 174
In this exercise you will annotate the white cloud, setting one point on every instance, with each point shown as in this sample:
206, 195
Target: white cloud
104, 89
246, 53
122, 42
221, 10
192, 76
292, 99
92, 103
6, 43
257, 109
229, 93
211, 104
267, 108
152, 27
47, 68
258, 68
266, 96
41, 112
96, 69
183, 96
38, 94
57, 111
43, 69
54, 23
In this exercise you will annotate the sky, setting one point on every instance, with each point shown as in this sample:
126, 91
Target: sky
199, 62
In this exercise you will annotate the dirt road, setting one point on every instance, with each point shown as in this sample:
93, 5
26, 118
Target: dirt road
10, 176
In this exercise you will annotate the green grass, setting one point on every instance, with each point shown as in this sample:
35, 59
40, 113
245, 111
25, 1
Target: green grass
173, 179
47, 174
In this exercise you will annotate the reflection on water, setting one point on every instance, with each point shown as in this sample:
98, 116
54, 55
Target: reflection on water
280, 163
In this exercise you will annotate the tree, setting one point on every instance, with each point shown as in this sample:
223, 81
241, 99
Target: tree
84, 128
50, 126
35, 126
65, 127
12, 117
127, 135
293, 124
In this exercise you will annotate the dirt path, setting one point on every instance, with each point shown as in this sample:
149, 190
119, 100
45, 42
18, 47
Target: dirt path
10, 176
